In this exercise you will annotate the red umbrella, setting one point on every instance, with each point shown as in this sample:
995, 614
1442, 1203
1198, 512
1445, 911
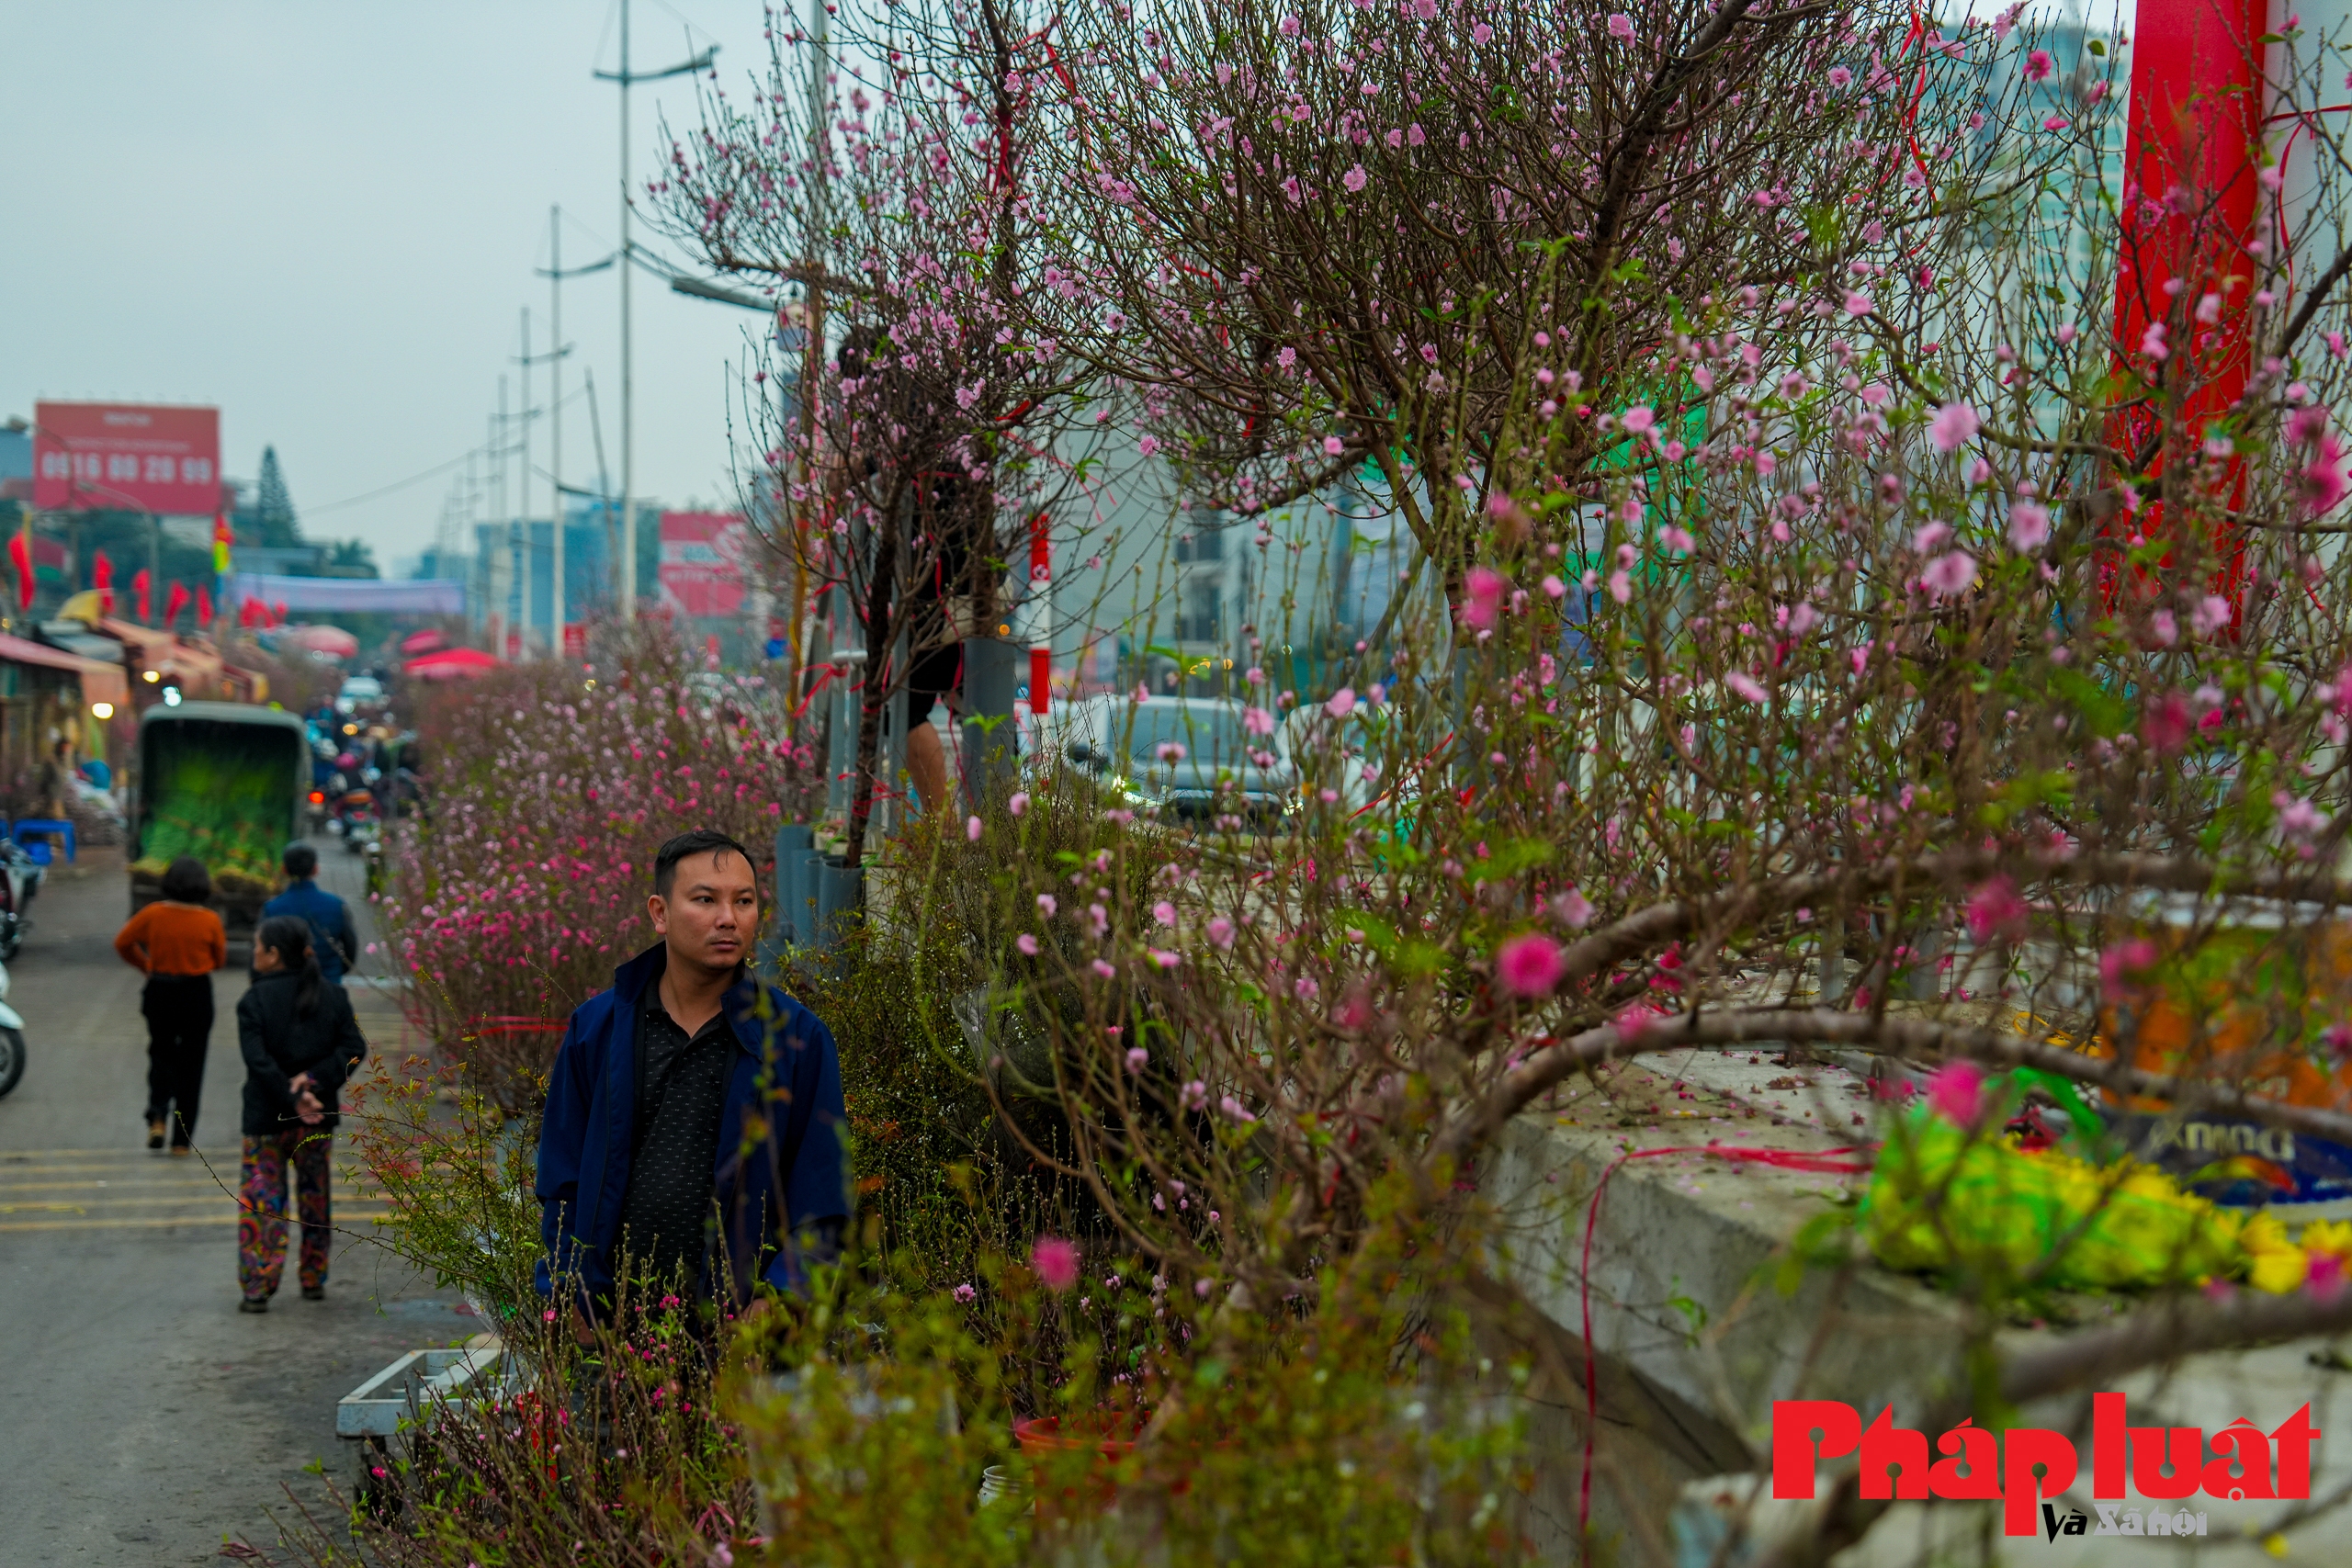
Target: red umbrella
426, 641
451, 664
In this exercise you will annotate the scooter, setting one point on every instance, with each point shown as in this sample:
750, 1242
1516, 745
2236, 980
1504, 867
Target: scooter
20, 879
12, 1039
356, 812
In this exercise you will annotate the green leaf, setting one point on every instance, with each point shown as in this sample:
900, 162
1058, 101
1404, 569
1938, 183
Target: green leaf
2105, 713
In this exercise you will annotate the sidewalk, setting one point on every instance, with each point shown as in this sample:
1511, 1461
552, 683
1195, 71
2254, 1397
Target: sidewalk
1695, 1335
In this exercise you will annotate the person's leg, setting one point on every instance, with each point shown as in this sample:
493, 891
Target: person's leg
193, 1008
312, 1167
261, 1217
160, 1028
932, 677
926, 762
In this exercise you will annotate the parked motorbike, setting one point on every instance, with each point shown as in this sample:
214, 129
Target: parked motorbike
21, 880
12, 1039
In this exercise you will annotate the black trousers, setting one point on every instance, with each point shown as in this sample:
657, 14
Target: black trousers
178, 1008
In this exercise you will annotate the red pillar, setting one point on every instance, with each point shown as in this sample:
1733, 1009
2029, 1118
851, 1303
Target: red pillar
1041, 582
2191, 207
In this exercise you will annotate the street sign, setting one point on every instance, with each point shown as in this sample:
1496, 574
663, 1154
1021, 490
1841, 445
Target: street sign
126, 456
702, 563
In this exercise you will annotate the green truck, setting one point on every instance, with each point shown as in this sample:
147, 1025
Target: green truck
225, 783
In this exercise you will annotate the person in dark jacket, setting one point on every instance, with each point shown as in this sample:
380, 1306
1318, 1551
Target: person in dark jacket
332, 938
694, 1117
299, 1041
176, 942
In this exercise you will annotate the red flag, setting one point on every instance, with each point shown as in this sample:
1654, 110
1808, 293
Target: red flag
139, 594
102, 578
277, 613
203, 606
20, 556
249, 612
175, 601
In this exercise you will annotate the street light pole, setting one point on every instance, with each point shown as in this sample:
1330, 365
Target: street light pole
629, 434
556, 348
555, 418
523, 495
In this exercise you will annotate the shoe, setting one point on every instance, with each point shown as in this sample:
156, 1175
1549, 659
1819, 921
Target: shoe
253, 1303
181, 1151
155, 1135
314, 1293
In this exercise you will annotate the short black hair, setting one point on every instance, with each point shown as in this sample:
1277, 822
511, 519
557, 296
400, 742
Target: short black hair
302, 860
701, 841
186, 882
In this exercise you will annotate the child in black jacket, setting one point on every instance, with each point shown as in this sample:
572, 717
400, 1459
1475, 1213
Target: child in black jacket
299, 1041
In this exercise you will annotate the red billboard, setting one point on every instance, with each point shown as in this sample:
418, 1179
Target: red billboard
126, 456
702, 563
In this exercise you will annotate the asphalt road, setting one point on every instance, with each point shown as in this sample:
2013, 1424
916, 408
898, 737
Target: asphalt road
144, 1420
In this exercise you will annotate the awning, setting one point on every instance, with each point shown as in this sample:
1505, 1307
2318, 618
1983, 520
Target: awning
147, 643
75, 637
416, 596
101, 682
192, 668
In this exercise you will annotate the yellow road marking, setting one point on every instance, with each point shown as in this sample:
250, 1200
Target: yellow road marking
159, 1171
125, 1184
80, 1205
144, 1167
131, 1151
155, 1223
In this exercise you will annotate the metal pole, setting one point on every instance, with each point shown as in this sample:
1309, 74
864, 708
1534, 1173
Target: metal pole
523, 494
500, 516
629, 434
473, 546
555, 416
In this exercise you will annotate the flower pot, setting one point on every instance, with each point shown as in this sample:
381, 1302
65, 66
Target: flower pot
841, 898
1047, 1446
795, 845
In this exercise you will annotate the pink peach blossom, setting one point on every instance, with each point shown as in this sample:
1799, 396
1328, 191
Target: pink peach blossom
1056, 1261
1528, 965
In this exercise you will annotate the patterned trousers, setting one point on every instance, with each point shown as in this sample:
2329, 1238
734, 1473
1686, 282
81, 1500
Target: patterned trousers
261, 1217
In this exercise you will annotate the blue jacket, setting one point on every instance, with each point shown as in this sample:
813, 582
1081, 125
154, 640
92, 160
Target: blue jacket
332, 937
782, 1179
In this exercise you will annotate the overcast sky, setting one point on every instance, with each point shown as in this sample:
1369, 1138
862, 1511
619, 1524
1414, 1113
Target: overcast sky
323, 217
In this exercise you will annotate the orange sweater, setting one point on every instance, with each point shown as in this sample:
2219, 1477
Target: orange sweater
173, 938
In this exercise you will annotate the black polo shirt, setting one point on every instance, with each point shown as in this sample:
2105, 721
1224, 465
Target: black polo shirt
680, 1093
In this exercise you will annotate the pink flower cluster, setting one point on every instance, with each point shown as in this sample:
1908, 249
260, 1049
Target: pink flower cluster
552, 790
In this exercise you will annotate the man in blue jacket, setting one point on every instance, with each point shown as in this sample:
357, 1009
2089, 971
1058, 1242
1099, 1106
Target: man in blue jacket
694, 1118
332, 937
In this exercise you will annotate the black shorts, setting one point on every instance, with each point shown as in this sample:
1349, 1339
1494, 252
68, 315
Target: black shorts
933, 675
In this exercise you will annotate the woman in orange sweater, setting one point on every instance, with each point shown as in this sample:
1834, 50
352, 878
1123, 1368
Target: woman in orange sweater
178, 942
